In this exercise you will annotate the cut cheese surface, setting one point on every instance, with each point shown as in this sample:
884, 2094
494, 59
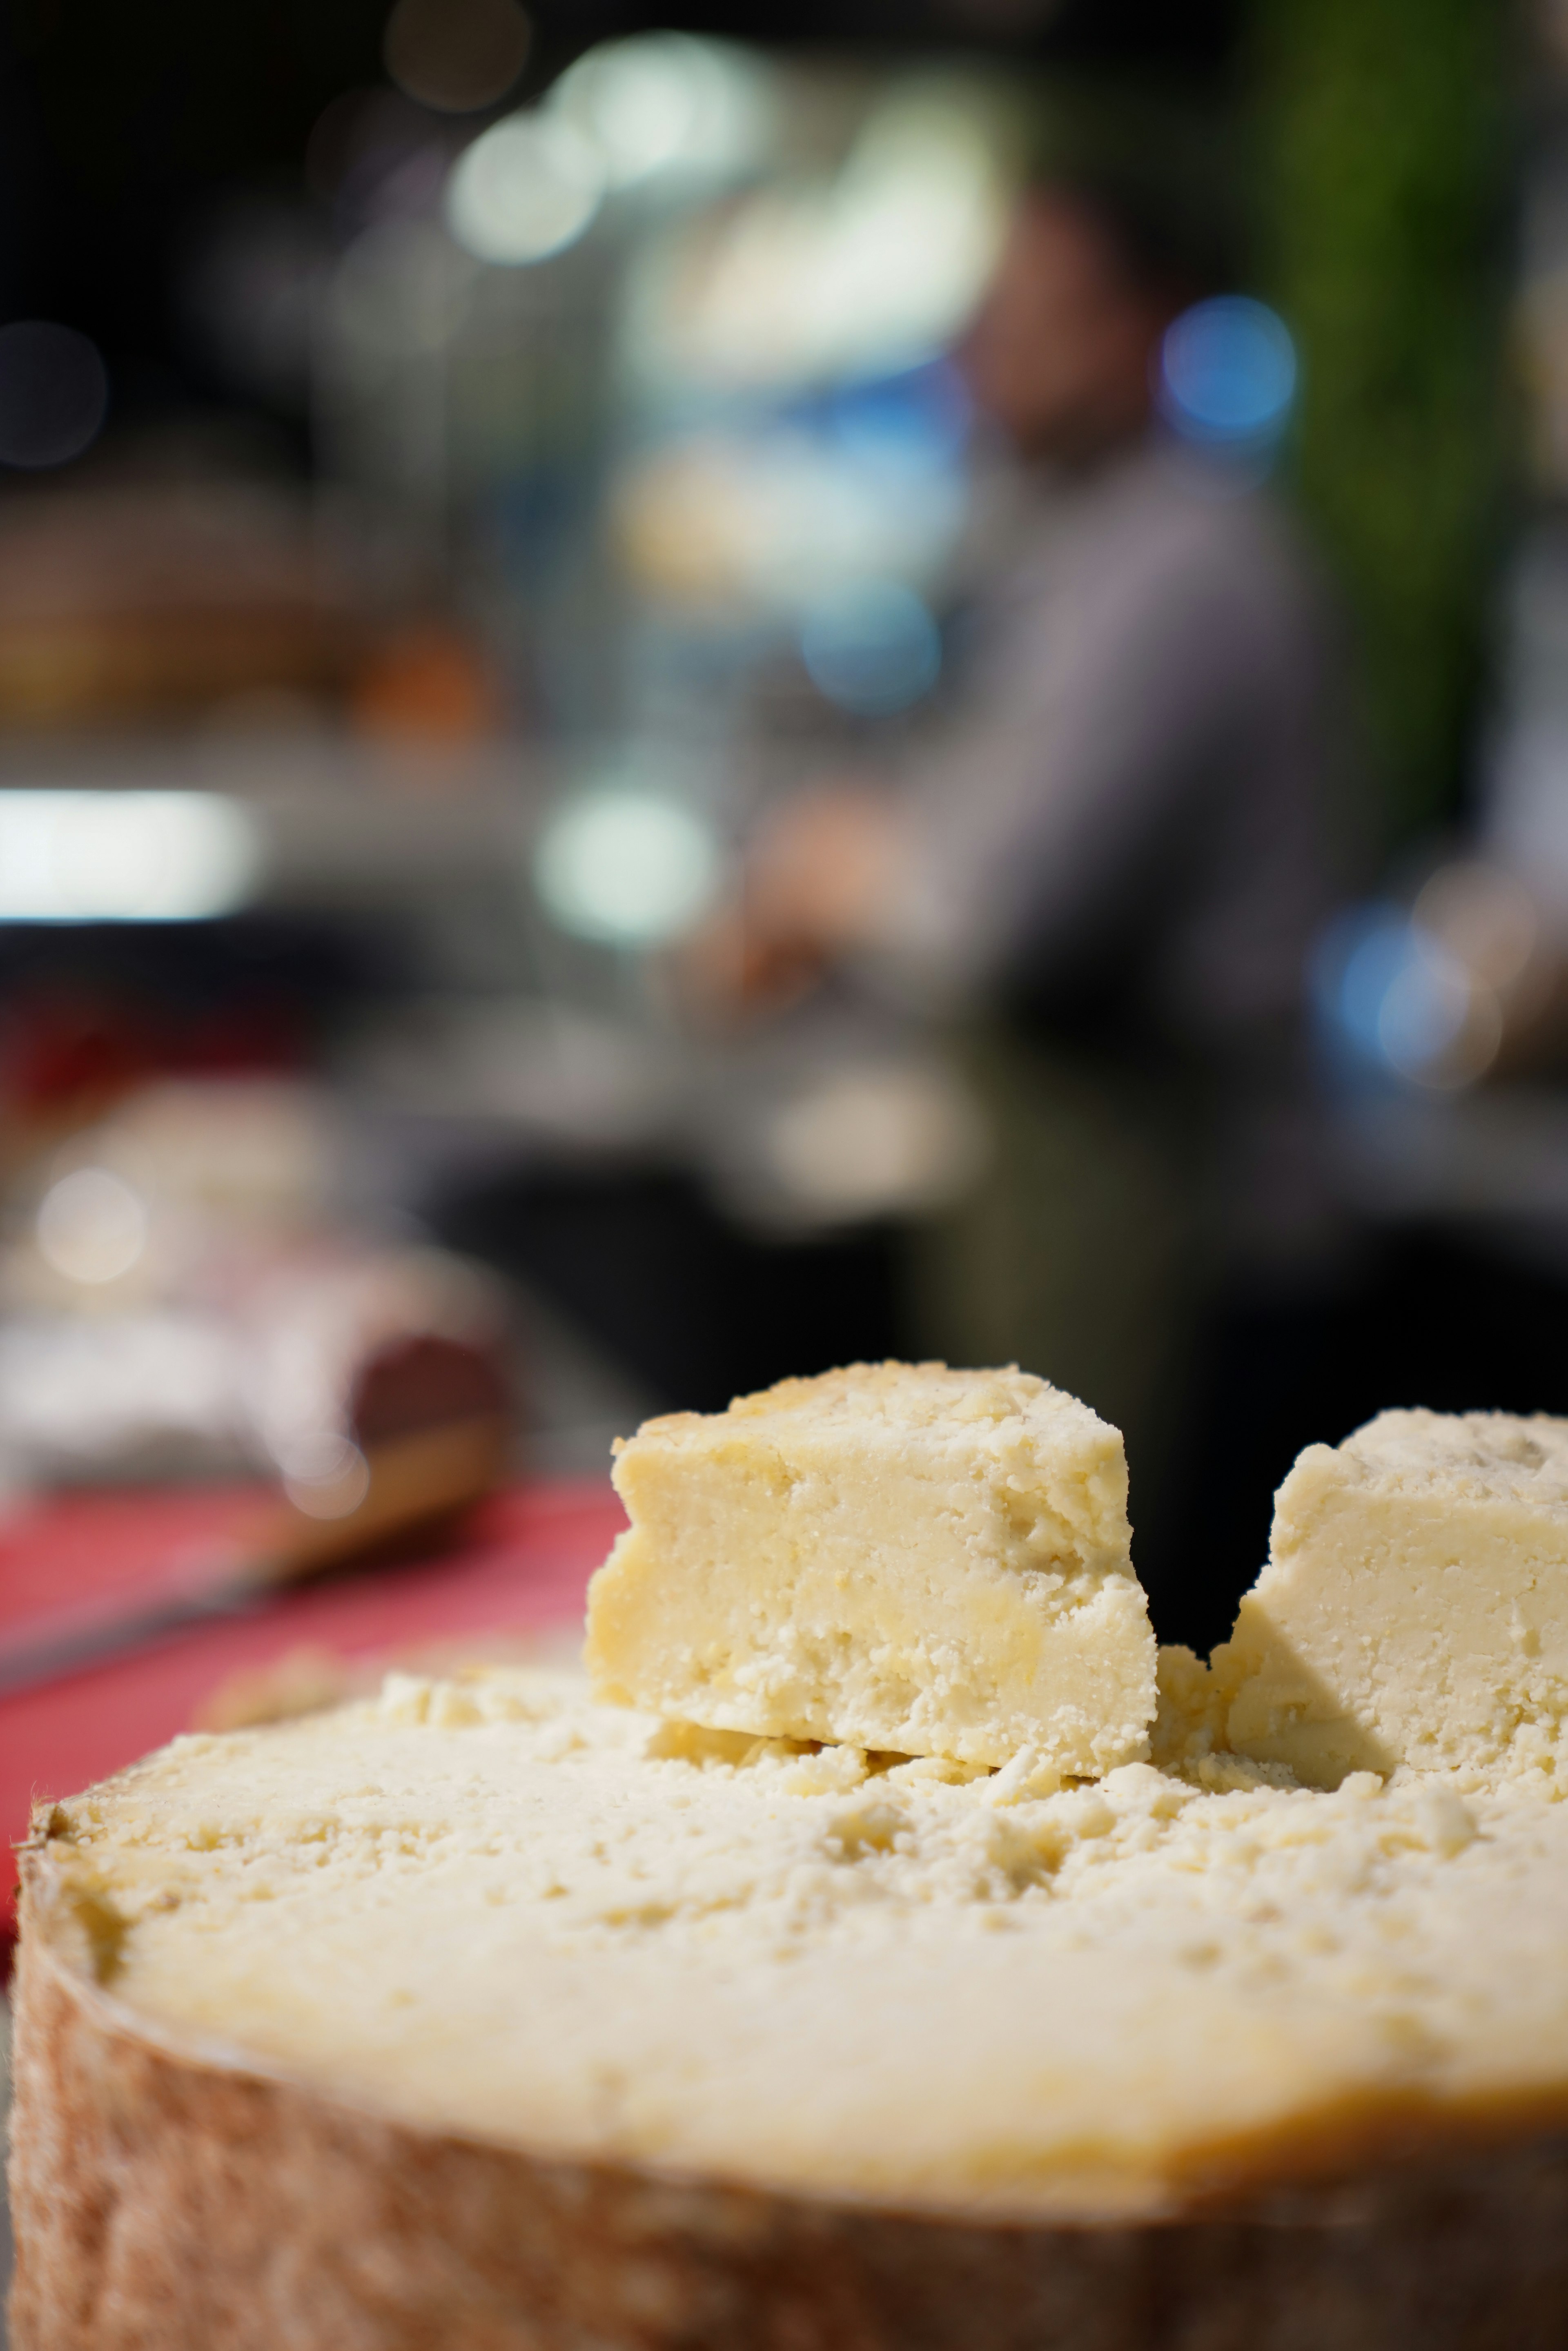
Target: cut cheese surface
901, 1556
1415, 1606
494, 1907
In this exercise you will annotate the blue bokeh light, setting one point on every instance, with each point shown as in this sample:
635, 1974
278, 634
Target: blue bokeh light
918, 420
1228, 372
1392, 1002
1358, 960
872, 648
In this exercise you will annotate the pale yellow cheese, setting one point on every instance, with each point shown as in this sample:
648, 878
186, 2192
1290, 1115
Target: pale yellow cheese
496, 1910
930, 1562
1415, 1606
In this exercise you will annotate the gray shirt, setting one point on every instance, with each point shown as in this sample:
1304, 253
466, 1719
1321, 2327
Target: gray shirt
1132, 792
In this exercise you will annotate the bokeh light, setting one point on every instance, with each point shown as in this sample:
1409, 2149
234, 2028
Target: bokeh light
91, 1226
123, 857
455, 55
325, 1475
525, 189
1485, 917
916, 422
779, 519
1403, 1005
864, 271
665, 101
625, 866
54, 395
872, 647
1228, 371
1435, 1026
373, 155
875, 1140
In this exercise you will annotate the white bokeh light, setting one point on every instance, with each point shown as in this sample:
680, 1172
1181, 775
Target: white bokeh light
91, 1226
525, 189
324, 1473
665, 101
869, 269
123, 857
625, 866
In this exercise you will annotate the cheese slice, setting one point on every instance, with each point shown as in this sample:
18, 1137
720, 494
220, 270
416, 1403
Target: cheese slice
902, 1556
1415, 1606
493, 1909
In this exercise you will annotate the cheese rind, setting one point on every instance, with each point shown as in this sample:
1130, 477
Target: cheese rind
901, 1556
1415, 1606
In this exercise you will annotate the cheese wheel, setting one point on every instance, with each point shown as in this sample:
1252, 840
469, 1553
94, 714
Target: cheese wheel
482, 2014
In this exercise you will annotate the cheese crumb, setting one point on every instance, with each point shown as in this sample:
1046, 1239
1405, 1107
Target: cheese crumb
899, 1557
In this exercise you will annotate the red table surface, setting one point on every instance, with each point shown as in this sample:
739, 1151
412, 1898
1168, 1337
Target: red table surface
518, 1566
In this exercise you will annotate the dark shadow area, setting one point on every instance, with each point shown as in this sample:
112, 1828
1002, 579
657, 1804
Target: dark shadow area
696, 1308
1437, 1319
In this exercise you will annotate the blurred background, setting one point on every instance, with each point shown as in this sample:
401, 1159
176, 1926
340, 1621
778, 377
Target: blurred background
689, 694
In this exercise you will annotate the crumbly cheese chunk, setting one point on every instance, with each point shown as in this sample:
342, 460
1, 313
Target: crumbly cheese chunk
494, 1909
1415, 1606
902, 1556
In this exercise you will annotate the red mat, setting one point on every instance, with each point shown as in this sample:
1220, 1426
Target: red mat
519, 1567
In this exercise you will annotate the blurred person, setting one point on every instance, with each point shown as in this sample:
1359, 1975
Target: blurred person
1109, 858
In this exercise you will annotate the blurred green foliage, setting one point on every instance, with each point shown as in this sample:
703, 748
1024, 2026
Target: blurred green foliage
1380, 162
